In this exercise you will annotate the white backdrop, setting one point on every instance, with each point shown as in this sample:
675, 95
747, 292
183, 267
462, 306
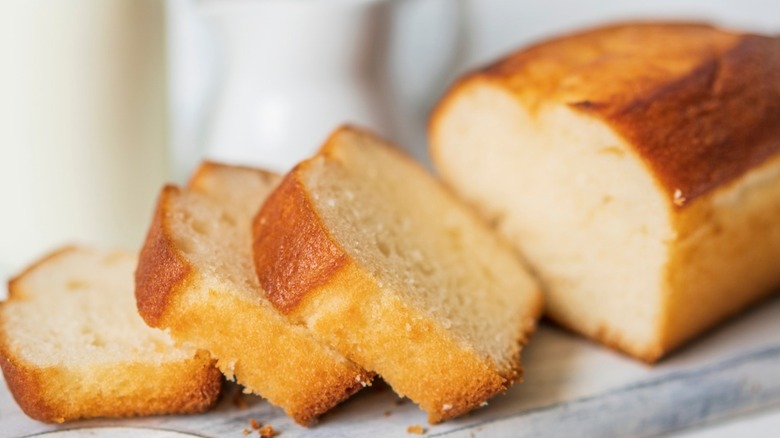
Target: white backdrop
489, 29
497, 26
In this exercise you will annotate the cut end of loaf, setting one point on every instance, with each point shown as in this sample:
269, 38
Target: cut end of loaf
630, 164
572, 197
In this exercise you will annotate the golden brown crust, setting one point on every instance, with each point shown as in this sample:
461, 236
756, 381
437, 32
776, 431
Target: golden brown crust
724, 112
59, 394
291, 264
725, 255
321, 402
161, 271
27, 386
698, 104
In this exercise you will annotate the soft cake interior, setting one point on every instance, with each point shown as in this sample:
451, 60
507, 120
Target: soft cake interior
418, 242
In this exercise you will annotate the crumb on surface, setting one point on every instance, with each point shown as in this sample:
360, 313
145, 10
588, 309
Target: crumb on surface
415, 430
400, 401
387, 413
246, 431
267, 431
254, 423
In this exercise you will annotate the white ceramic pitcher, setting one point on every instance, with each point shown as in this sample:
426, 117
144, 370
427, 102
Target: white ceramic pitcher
287, 72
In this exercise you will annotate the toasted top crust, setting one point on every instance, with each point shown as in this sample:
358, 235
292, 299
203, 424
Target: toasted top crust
307, 263
699, 105
155, 285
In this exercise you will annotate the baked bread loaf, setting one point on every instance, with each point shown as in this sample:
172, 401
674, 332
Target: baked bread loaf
196, 279
375, 257
635, 166
73, 346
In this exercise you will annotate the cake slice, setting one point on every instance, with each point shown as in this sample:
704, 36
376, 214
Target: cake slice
195, 278
365, 249
636, 166
73, 346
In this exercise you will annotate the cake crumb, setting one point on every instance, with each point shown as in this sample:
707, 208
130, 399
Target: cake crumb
679, 199
400, 401
254, 423
246, 431
387, 413
267, 431
364, 383
415, 430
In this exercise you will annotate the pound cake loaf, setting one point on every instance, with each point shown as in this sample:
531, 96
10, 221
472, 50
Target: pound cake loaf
375, 257
196, 279
73, 346
635, 166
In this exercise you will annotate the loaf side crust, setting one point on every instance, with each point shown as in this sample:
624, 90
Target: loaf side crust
726, 254
293, 252
162, 273
57, 394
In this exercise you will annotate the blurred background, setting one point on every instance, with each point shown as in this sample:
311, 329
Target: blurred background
102, 101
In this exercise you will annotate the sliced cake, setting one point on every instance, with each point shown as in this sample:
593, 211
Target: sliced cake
364, 248
73, 346
196, 279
